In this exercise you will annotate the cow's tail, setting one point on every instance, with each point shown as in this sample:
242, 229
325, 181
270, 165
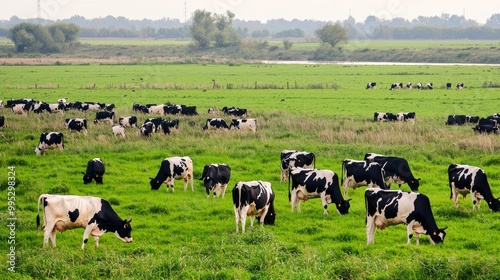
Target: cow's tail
314, 161
38, 213
343, 175
289, 179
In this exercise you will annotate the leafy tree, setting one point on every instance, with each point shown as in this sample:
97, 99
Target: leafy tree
287, 44
202, 28
332, 34
29, 37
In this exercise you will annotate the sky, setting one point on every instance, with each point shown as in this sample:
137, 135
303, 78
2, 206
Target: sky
260, 10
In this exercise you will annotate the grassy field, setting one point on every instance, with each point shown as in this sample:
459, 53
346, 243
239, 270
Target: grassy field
323, 109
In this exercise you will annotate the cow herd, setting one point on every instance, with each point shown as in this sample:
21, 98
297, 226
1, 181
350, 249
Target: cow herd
410, 86
490, 124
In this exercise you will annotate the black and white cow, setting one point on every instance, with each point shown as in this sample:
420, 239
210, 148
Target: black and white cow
130, 121
371, 85
391, 207
215, 177
2, 121
147, 129
237, 112
104, 117
448, 86
50, 140
465, 179
384, 117
77, 125
430, 86
171, 169
419, 85
91, 106
395, 169
254, 199
118, 130
406, 116
95, 170
314, 183
169, 125
395, 86
215, 124
57, 107
22, 108
455, 120
244, 125
358, 173
156, 109
486, 128
94, 214
408, 86
156, 121
188, 110
39, 107
293, 158
460, 86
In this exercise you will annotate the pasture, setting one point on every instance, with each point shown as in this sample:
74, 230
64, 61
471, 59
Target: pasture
324, 109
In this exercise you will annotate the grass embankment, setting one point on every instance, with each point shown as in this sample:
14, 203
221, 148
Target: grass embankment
183, 235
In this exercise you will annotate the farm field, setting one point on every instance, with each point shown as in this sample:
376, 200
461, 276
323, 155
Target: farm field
324, 109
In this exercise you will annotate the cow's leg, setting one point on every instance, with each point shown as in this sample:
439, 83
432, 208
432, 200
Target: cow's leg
478, 203
237, 218
293, 200
409, 232
96, 239
243, 219
61, 147
49, 232
474, 200
86, 234
325, 204
370, 229
186, 182
223, 190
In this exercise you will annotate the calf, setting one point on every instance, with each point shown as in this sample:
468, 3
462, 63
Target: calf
313, 183
395, 169
118, 130
50, 140
255, 198
147, 129
95, 171
465, 179
215, 124
77, 125
171, 169
386, 208
358, 173
292, 158
244, 125
215, 177
130, 121
95, 215
104, 117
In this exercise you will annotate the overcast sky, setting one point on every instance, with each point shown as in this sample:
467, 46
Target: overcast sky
262, 10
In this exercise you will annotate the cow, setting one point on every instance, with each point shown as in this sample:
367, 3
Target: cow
430, 86
215, 177
465, 179
216, 124
147, 129
395, 86
391, 207
39, 107
356, 173
448, 86
406, 116
156, 109
156, 121
419, 85
109, 107
371, 85
77, 125
384, 117
168, 125
57, 107
90, 106
460, 86
188, 110
104, 117
62, 101
313, 183
472, 119
237, 112
118, 130
21, 108
455, 120
49, 140
94, 214
254, 198
95, 171
486, 128
408, 86
2, 121
130, 121
396, 170
171, 169
292, 158
244, 125
77, 105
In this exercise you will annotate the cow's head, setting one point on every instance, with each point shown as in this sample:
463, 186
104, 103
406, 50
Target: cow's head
38, 150
155, 183
437, 236
494, 204
343, 206
270, 218
86, 179
124, 232
414, 184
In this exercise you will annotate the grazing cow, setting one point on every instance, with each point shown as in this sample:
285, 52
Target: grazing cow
156, 109
130, 121
62, 101
448, 85
90, 106
39, 107
465, 179
57, 107
109, 107
244, 125
236, 112
358, 173
472, 119
94, 214
188, 110
104, 117
455, 120
77, 125
254, 198
21, 108
371, 85
419, 85
171, 169
215, 177
215, 124
486, 128
211, 111
396, 170
156, 121
384, 117
2, 121
430, 86
391, 207
118, 130
460, 86
147, 129
406, 116
95, 171
313, 183
408, 86
75, 106
292, 158
396, 86
50, 140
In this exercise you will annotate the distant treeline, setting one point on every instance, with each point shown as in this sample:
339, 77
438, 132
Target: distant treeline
436, 27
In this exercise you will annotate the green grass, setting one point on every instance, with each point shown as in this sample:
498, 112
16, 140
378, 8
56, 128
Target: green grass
183, 235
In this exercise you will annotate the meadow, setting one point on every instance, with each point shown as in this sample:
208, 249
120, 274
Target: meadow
324, 109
